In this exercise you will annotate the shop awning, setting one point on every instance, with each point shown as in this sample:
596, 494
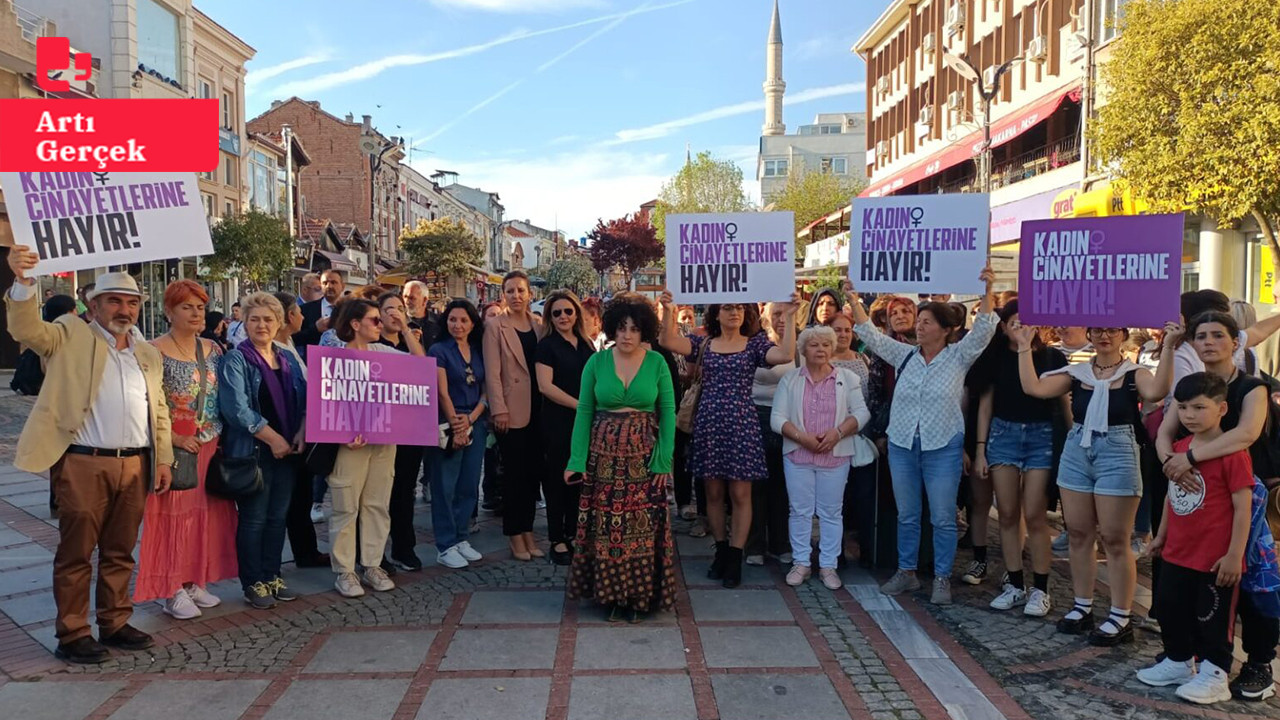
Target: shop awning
1002, 131
338, 261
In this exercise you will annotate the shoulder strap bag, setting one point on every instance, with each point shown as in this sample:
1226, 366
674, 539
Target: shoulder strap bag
186, 465
689, 403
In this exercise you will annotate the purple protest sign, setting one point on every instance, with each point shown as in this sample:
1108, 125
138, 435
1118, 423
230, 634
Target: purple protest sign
1100, 272
389, 398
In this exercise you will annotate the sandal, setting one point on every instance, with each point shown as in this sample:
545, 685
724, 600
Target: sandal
1076, 626
1111, 633
615, 613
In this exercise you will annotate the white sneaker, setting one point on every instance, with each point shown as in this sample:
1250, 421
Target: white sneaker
1010, 598
317, 512
203, 598
468, 553
452, 558
181, 607
348, 585
755, 560
1038, 603
1167, 672
1139, 544
1207, 687
377, 579
1062, 543
688, 512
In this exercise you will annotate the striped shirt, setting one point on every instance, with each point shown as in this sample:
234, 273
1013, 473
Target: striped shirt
819, 416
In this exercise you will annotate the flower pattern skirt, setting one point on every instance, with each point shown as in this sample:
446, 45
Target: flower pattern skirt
623, 552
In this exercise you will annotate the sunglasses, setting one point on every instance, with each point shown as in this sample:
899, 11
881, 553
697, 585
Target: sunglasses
471, 376
567, 312
374, 319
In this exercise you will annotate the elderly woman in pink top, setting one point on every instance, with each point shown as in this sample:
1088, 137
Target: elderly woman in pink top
818, 409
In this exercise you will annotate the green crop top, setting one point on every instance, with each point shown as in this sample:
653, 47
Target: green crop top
650, 391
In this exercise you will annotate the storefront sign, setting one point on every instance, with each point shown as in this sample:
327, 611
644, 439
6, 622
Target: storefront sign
1007, 219
1267, 273
229, 141
919, 243
90, 220
386, 398
731, 257
1101, 272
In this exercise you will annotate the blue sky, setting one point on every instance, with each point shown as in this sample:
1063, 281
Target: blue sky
570, 109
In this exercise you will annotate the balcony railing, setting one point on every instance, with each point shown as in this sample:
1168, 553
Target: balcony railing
31, 24
1023, 167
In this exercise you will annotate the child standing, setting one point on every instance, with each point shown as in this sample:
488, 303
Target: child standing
1202, 541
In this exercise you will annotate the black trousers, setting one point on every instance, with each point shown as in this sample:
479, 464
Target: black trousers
1259, 635
491, 481
860, 507
770, 506
1196, 616
522, 472
1156, 487
680, 475
403, 489
298, 525
562, 499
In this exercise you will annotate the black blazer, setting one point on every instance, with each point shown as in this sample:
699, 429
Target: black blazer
308, 335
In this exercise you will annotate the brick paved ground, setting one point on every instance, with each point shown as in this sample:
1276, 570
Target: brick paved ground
497, 640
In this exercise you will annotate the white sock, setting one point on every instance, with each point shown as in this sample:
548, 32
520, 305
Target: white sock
1083, 607
1117, 618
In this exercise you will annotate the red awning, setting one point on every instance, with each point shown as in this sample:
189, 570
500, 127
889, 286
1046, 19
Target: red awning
1002, 131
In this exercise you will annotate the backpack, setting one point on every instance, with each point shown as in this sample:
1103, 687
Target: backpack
28, 375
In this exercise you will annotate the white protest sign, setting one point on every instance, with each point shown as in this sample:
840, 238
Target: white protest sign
731, 257
75, 221
919, 243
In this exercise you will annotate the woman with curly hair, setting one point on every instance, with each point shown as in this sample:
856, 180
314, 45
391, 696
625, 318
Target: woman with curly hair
623, 440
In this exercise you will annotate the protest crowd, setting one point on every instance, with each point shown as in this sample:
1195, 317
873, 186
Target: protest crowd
762, 423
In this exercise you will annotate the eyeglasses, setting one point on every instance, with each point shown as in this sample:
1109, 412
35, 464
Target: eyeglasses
733, 308
567, 312
1108, 331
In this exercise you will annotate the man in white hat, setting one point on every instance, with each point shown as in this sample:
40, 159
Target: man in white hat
102, 411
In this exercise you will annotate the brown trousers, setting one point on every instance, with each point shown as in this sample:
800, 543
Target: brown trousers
100, 503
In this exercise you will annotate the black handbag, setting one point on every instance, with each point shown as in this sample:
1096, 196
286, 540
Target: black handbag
236, 478
186, 465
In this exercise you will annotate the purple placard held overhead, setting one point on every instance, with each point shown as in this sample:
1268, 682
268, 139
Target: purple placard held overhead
389, 398
1101, 272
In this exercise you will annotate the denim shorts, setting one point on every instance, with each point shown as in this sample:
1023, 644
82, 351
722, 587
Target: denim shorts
1109, 466
1026, 446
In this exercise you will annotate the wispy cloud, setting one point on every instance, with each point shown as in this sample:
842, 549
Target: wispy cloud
373, 68
257, 75
663, 129
541, 68
519, 6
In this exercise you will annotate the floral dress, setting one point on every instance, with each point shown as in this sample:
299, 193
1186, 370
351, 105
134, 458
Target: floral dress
726, 429
188, 536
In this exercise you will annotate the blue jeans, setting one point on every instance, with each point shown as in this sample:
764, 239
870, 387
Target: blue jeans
261, 529
936, 472
455, 487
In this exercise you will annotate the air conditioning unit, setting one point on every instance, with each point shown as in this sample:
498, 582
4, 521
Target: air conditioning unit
955, 100
926, 115
955, 18
882, 149
882, 85
989, 77
1038, 49
929, 44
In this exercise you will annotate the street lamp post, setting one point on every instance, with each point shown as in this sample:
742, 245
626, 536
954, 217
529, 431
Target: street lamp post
375, 164
965, 69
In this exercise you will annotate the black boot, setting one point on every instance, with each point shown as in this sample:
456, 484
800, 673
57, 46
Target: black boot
716, 571
732, 567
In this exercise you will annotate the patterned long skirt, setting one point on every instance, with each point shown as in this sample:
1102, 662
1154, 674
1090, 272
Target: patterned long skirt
623, 553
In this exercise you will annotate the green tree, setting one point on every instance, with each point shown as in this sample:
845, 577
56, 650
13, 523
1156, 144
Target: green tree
812, 195
1192, 113
831, 277
445, 247
573, 272
254, 246
703, 185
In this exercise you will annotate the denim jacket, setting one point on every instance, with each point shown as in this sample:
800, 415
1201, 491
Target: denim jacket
238, 385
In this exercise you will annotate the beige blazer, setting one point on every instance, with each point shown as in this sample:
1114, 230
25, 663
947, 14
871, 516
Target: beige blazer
71, 348
507, 376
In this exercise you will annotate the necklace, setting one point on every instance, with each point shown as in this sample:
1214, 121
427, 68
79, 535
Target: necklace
186, 354
1097, 366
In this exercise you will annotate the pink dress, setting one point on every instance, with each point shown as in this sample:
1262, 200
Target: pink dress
188, 536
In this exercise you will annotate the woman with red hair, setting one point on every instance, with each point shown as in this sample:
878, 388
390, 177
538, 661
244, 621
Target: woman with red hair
188, 536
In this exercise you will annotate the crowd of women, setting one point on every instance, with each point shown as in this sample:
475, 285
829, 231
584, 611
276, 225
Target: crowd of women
758, 421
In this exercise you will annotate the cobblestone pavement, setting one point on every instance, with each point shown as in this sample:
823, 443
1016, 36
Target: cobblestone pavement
497, 640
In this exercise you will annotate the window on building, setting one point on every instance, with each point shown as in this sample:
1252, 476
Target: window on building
775, 168
1109, 13
229, 171
206, 89
228, 209
207, 200
158, 39
228, 111
263, 178
835, 165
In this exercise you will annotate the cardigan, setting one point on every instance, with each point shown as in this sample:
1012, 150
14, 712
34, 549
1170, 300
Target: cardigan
651, 390
788, 406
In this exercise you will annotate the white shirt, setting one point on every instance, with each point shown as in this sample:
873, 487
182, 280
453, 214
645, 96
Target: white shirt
926, 398
326, 307
236, 333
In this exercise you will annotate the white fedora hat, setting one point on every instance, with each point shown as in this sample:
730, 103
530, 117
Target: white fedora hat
121, 283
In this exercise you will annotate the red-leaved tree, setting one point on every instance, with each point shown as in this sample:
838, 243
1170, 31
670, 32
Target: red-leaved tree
628, 243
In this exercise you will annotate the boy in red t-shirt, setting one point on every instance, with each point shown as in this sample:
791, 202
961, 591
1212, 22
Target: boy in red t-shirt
1202, 541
